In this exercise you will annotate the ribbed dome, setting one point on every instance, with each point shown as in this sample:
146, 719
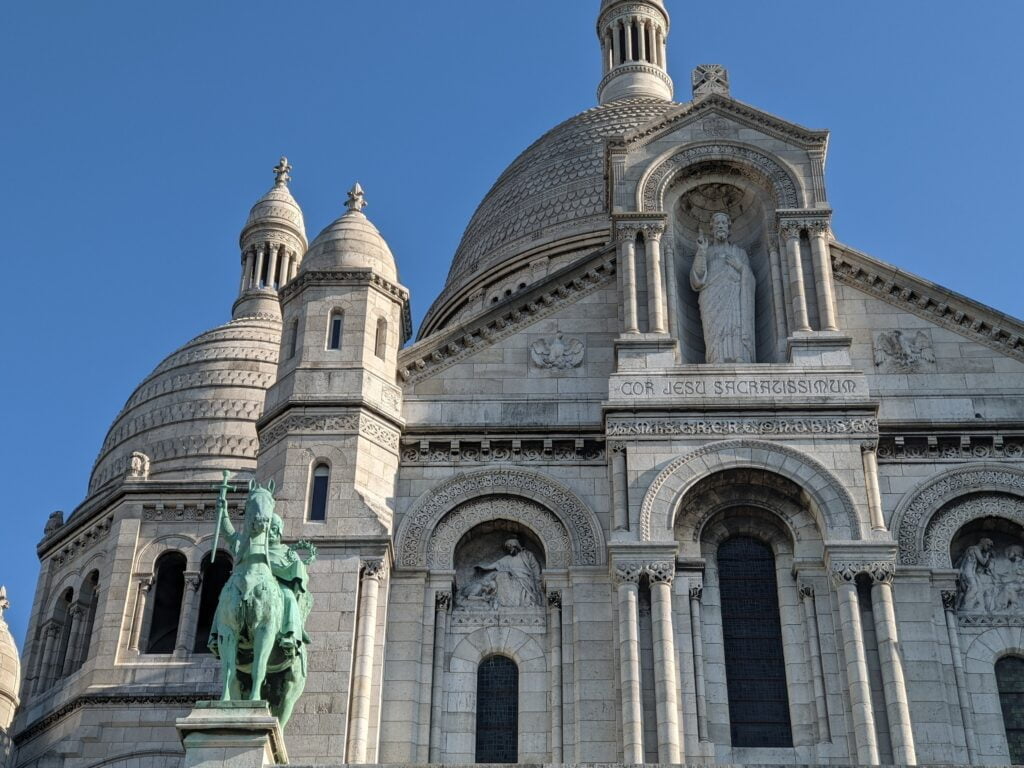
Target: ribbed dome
10, 668
275, 209
351, 241
608, 3
196, 413
553, 190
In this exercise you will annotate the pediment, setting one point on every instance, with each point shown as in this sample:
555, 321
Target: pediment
722, 117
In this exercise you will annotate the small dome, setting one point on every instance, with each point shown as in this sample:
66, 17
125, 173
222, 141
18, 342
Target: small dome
351, 241
276, 209
10, 668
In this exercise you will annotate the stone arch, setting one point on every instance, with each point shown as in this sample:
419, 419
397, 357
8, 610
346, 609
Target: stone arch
145, 561
912, 520
980, 657
418, 526
763, 169
834, 510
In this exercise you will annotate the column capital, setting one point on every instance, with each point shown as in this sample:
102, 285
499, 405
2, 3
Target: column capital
626, 232
869, 446
880, 572
193, 580
661, 572
554, 599
627, 573
949, 600
52, 629
372, 569
806, 590
76, 612
696, 593
145, 582
653, 230
617, 448
442, 601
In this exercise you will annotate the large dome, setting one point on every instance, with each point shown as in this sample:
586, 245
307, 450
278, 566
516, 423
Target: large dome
196, 413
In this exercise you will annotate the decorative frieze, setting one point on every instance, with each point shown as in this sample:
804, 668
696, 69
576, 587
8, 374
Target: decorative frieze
766, 425
83, 541
880, 571
190, 513
475, 619
951, 447
513, 451
350, 422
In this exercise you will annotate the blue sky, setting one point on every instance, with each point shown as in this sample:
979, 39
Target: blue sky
137, 136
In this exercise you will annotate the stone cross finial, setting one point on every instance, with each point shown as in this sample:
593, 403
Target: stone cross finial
282, 172
710, 78
4, 602
356, 199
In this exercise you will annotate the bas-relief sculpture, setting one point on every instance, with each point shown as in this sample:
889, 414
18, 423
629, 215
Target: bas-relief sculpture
259, 626
898, 352
722, 277
512, 581
991, 581
558, 353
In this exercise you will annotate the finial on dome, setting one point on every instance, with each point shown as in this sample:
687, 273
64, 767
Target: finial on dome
356, 199
4, 602
282, 172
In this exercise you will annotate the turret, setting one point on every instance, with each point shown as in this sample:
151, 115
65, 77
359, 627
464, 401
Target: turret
273, 242
633, 35
10, 680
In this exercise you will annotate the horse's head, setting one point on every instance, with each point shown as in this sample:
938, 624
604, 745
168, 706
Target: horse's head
259, 508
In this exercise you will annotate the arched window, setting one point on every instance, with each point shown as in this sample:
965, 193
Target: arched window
63, 615
293, 338
168, 591
380, 345
318, 492
90, 600
334, 329
1010, 681
497, 711
214, 576
755, 670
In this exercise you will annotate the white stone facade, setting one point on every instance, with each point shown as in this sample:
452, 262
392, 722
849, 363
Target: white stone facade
559, 395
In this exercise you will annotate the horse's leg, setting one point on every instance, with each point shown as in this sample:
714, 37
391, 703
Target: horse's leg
293, 687
262, 645
228, 659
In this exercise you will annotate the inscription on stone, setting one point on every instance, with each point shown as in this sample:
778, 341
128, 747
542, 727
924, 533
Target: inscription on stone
739, 386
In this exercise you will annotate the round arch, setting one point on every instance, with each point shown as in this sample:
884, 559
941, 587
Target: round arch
413, 540
912, 521
834, 510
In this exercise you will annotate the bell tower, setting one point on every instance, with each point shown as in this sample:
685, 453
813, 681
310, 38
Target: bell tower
634, 50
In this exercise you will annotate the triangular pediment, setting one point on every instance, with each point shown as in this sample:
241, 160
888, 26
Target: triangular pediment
721, 116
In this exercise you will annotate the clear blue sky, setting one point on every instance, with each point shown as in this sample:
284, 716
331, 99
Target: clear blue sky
137, 135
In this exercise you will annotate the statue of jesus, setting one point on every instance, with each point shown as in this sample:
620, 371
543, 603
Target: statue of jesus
722, 277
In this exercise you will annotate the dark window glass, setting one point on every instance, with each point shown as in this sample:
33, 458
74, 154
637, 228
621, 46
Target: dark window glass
318, 497
497, 711
91, 593
334, 342
215, 575
293, 339
754, 667
635, 40
1010, 680
168, 592
381, 342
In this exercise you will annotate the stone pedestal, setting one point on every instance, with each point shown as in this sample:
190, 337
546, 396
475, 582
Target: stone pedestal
231, 734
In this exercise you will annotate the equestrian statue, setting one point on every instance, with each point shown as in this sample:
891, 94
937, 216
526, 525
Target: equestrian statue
259, 627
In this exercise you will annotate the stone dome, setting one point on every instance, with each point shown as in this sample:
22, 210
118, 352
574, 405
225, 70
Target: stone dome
10, 668
351, 241
276, 209
196, 413
555, 189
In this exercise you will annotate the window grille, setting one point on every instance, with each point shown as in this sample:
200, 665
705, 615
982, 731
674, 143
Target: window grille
318, 495
1010, 681
497, 711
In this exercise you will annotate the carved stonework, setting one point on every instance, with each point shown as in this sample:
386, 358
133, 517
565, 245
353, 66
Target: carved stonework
899, 351
443, 601
511, 581
696, 593
555, 599
627, 573
53, 522
662, 572
138, 468
949, 600
990, 588
880, 572
770, 425
806, 591
557, 353
512, 451
373, 568
710, 78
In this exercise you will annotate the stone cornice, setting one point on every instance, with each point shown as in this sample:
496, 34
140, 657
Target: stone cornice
451, 345
939, 305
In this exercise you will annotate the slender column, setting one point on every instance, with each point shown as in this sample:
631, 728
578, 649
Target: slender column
641, 36
897, 703
609, 53
777, 295
246, 272
362, 673
869, 455
666, 678
655, 282
796, 277
189, 615
966, 712
258, 272
272, 269
50, 636
293, 266
856, 665
627, 253
141, 593
442, 602
628, 25
813, 641
555, 628
698, 663
627, 575
71, 652
823, 276
664, 53
672, 290
32, 681
616, 45
620, 488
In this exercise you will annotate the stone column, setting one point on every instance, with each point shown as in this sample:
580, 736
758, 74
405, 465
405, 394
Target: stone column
655, 282
442, 603
628, 25
627, 255
616, 47
814, 644
778, 298
272, 269
869, 455
844, 575
823, 275
671, 290
620, 488
641, 36
791, 230
258, 272
141, 593
293, 265
50, 638
362, 672
246, 272
666, 678
555, 628
963, 696
71, 652
189, 615
627, 576
897, 703
697, 636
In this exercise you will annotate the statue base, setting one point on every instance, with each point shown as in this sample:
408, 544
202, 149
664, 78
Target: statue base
819, 349
231, 734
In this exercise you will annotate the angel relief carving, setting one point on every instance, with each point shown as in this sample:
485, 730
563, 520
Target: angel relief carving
991, 579
904, 351
558, 353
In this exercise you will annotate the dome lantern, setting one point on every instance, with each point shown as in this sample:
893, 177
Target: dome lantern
633, 39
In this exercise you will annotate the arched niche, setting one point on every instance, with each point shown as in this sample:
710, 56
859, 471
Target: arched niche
487, 552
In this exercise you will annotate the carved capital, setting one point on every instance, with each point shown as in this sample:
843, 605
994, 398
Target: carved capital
554, 599
627, 573
442, 601
145, 583
806, 591
881, 572
625, 233
653, 230
949, 600
76, 612
844, 573
52, 630
372, 569
696, 593
817, 227
791, 228
661, 572
194, 581
869, 446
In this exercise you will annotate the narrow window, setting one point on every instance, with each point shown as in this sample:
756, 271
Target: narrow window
380, 346
64, 609
755, 670
168, 592
334, 330
214, 575
634, 33
1010, 681
90, 600
497, 711
318, 494
622, 43
265, 270
293, 338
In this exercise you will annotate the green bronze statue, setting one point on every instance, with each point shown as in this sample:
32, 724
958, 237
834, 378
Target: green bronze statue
259, 627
